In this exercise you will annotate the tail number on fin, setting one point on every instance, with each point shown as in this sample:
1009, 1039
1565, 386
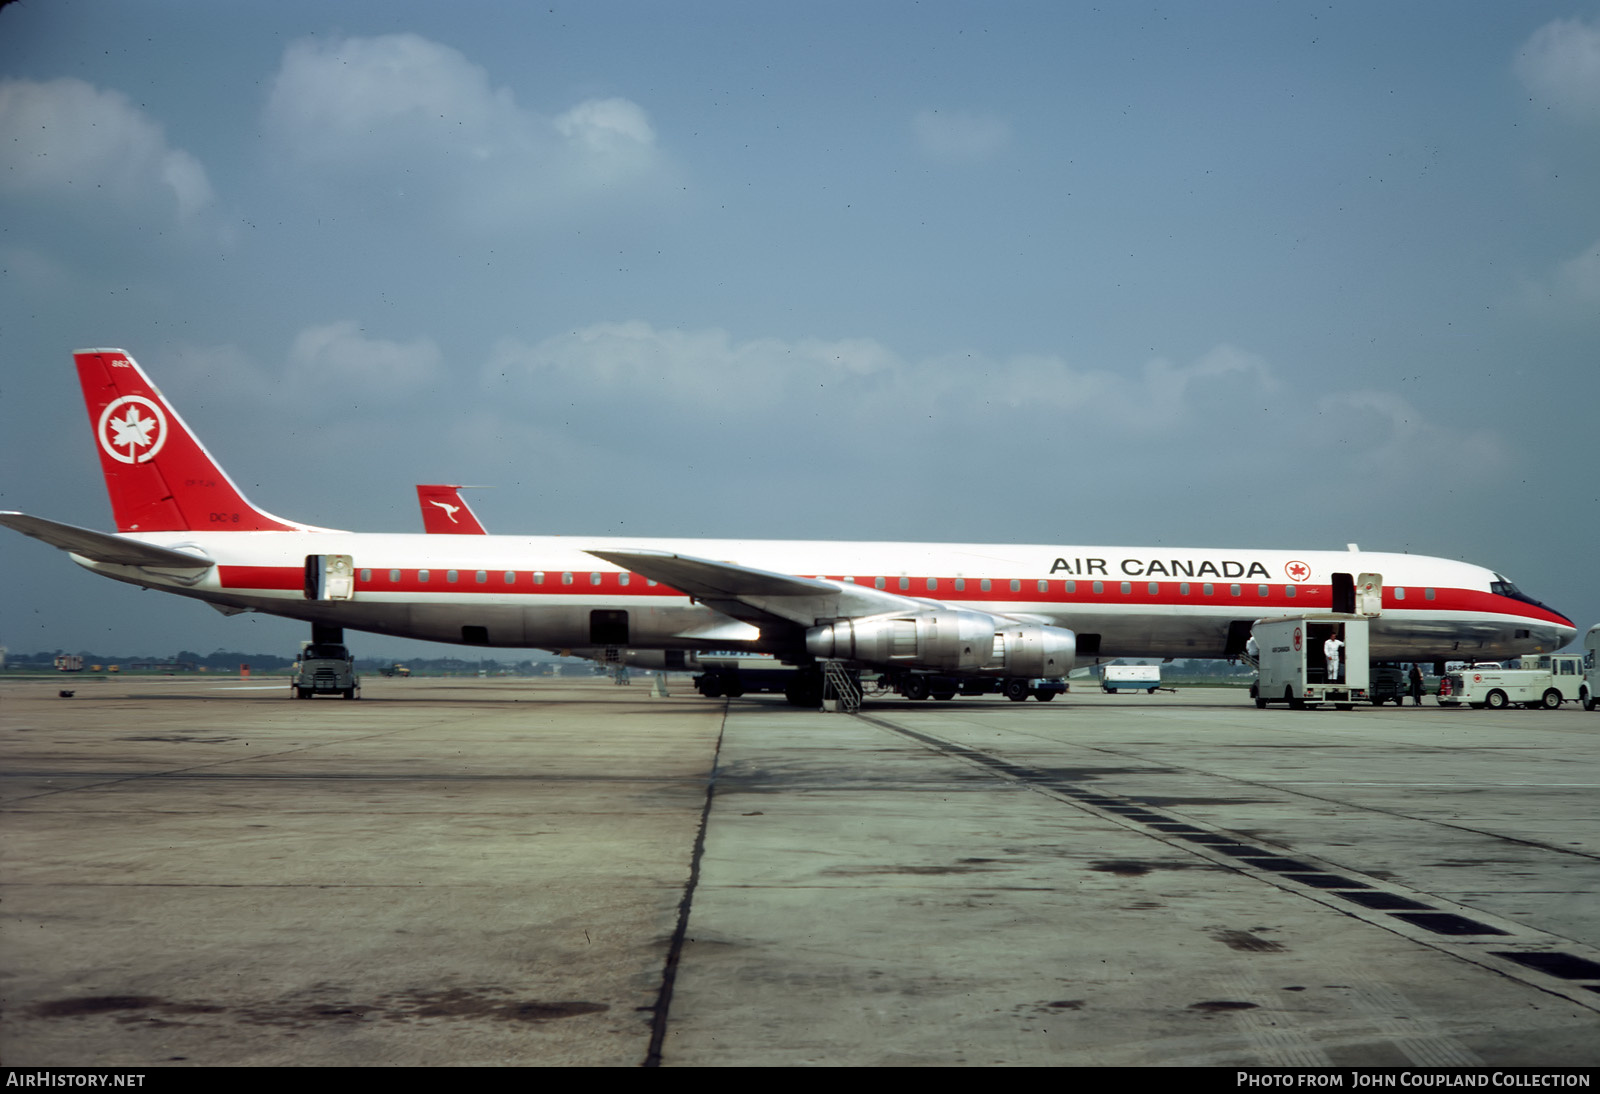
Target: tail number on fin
132, 429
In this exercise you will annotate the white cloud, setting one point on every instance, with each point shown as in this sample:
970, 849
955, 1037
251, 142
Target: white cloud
960, 135
851, 378
1571, 290
1560, 65
1387, 438
67, 137
340, 363
419, 116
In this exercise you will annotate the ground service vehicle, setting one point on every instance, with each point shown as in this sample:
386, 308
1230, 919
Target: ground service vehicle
1294, 668
1114, 678
1590, 690
1544, 682
1388, 684
324, 668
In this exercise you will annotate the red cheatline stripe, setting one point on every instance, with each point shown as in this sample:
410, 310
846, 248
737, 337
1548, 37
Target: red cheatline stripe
1168, 593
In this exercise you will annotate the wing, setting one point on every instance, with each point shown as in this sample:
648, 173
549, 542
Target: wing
759, 597
101, 546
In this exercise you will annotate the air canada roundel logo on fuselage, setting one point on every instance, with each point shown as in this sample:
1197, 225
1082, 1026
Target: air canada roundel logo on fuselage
1296, 571
132, 429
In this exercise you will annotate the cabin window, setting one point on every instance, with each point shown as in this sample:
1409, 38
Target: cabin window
452, 575
649, 583
1427, 594
511, 577
933, 583
1099, 587
961, 584
1044, 586
483, 577
1154, 587
1070, 586
1016, 585
422, 575
1288, 591
366, 575
1208, 588
594, 579
566, 577
1261, 590
851, 580
985, 584
1233, 590
879, 583
622, 579
394, 577
1399, 592
1127, 587
905, 583
538, 577
1183, 589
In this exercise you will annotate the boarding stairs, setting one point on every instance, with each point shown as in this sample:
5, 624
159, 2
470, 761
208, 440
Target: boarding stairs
839, 687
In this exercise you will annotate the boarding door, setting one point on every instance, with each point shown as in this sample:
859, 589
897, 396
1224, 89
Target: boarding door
330, 577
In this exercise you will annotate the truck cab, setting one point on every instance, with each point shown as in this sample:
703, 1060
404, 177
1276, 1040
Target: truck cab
324, 668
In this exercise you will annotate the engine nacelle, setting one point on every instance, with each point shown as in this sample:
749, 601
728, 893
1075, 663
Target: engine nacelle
1032, 649
949, 639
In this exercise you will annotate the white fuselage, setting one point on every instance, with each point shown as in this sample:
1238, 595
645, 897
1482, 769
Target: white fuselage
546, 591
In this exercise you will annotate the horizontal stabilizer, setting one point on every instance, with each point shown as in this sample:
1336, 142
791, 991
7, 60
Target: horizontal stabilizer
101, 546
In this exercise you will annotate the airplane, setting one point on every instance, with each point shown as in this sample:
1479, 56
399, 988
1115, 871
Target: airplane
926, 613
445, 512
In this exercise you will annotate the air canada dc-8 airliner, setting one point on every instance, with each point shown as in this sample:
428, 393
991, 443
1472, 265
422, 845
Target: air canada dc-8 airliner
941, 610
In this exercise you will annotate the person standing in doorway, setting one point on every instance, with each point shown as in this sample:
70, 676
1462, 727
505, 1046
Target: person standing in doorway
1416, 684
1330, 650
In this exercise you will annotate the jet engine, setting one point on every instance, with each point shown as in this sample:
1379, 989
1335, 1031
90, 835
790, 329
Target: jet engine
949, 640
1032, 649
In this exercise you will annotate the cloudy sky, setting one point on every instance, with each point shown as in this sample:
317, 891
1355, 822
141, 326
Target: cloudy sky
1224, 274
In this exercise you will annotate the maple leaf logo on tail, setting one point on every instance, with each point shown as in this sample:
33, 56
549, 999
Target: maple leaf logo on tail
132, 429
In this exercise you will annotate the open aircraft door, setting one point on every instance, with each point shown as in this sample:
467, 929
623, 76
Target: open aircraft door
330, 577
1369, 595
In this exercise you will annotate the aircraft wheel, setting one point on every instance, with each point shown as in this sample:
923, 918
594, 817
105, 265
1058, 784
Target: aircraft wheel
1552, 699
1017, 690
1496, 700
915, 688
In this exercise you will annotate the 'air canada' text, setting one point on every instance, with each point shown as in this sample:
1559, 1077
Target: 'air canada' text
1155, 567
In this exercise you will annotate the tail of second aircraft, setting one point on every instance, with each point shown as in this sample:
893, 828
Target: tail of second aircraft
445, 511
159, 475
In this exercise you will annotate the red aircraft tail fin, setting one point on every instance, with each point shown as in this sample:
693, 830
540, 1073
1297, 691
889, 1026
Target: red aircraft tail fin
160, 477
445, 513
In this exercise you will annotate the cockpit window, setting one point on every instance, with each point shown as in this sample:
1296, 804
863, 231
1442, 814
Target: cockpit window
1501, 587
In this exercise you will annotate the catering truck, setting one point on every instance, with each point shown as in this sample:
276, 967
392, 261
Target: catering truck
1294, 664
